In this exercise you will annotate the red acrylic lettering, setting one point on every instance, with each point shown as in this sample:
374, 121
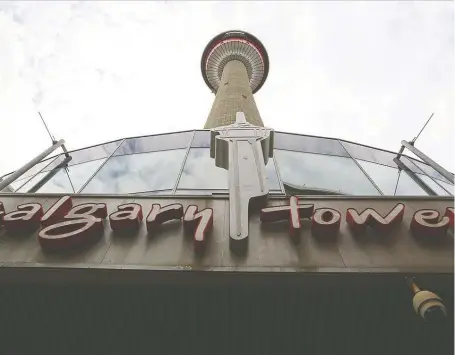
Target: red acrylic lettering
70, 233
57, 211
293, 212
426, 224
25, 219
325, 222
128, 217
159, 215
369, 217
198, 223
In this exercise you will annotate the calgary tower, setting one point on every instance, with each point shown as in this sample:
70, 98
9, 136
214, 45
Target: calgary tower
234, 65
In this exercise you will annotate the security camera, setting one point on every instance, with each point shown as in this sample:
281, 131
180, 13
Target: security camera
427, 304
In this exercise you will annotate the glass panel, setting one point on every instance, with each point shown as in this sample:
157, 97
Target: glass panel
447, 186
433, 185
429, 170
18, 183
421, 169
154, 143
59, 183
55, 163
93, 153
43, 165
316, 171
138, 173
370, 154
410, 165
30, 172
309, 144
79, 174
385, 177
201, 139
408, 187
200, 172
37, 168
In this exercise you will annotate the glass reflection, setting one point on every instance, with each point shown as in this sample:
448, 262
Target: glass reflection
18, 183
385, 177
155, 143
200, 172
421, 170
316, 171
137, 173
447, 186
309, 144
93, 153
30, 172
79, 174
370, 154
408, 187
433, 185
429, 170
59, 183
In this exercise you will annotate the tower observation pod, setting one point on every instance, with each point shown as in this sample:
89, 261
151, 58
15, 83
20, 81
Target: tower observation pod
234, 65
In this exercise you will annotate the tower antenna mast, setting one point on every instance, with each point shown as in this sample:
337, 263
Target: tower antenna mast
415, 138
51, 136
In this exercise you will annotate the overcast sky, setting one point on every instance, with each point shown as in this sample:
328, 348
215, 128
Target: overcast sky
370, 72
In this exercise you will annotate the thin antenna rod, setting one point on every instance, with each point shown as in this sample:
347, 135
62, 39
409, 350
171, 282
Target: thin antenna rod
415, 138
47, 129
52, 137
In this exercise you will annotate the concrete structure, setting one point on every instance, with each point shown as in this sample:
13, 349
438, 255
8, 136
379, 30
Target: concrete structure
234, 65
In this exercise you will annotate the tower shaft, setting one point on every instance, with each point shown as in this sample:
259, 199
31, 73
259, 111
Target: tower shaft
234, 95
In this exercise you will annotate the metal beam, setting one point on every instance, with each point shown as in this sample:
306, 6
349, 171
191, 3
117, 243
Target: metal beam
414, 177
18, 173
50, 174
429, 161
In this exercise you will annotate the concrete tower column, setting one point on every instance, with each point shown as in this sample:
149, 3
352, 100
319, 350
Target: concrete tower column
234, 65
234, 95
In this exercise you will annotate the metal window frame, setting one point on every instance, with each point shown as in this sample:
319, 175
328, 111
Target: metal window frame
305, 135
183, 163
280, 181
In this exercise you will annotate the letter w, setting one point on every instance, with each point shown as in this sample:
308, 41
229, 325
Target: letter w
359, 221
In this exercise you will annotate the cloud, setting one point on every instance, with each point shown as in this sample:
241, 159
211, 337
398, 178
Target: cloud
370, 72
